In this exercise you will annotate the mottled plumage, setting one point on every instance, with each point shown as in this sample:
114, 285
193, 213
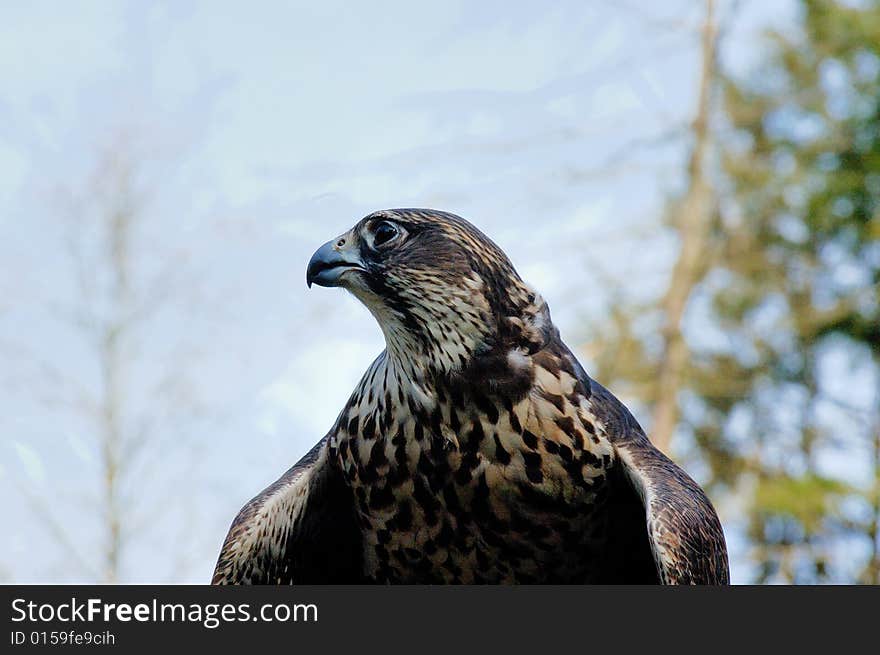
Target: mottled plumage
475, 448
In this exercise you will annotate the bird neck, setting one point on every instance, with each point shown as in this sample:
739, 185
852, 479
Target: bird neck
447, 335
437, 330
416, 385
447, 348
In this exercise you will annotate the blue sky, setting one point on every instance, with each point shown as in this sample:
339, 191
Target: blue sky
260, 131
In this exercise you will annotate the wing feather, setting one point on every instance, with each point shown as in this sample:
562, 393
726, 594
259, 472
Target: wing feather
301, 529
684, 534
683, 529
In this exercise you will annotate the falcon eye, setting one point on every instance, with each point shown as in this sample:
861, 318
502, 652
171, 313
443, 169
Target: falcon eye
384, 233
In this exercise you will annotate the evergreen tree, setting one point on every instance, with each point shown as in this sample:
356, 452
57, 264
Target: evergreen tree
779, 399
797, 288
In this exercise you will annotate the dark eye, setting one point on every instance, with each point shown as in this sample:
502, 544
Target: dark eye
384, 233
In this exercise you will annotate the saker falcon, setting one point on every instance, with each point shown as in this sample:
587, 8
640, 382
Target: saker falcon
475, 449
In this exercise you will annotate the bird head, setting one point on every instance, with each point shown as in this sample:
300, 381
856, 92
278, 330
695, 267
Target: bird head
441, 290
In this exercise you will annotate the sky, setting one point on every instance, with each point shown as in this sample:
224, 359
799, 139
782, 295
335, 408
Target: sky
259, 131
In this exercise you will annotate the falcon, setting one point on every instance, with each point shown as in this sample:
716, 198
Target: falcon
475, 449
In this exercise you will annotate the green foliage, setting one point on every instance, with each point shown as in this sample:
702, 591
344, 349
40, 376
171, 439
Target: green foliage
807, 499
793, 279
800, 247
803, 166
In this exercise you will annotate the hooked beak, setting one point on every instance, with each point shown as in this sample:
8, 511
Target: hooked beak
331, 261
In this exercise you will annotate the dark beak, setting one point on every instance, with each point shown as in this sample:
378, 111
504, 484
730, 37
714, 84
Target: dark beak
331, 261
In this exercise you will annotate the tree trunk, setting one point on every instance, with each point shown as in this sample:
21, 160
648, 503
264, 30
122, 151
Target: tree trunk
692, 223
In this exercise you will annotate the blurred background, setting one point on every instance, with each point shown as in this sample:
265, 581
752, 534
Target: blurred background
694, 186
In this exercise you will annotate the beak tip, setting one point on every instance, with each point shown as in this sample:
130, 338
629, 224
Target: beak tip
329, 263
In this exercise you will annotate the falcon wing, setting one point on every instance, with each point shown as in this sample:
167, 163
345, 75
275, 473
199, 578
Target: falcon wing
657, 511
301, 529
683, 530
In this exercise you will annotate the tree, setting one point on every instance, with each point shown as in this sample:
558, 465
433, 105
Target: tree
98, 370
801, 270
692, 218
778, 397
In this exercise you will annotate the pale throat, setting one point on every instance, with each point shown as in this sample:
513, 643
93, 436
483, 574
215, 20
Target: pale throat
432, 333
440, 329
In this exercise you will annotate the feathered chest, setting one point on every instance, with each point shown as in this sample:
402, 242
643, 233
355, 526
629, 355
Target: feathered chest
473, 487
